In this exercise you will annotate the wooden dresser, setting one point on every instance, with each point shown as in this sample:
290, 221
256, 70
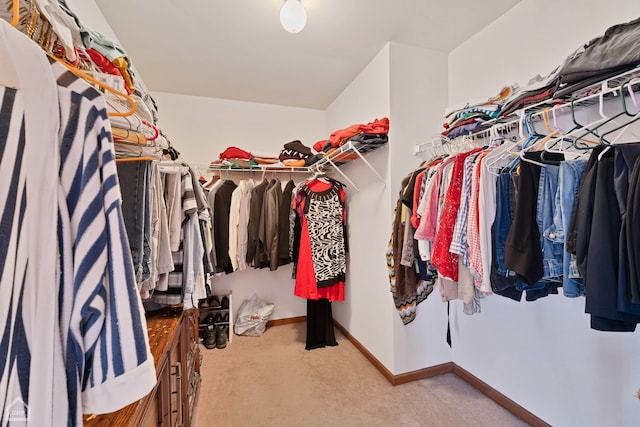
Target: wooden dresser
173, 338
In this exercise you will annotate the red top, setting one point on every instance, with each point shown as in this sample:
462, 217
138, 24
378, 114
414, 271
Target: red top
305, 286
445, 261
236, 153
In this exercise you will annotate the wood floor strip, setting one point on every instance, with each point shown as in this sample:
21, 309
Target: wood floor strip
286, 321
499, 398
430, 372
366, 353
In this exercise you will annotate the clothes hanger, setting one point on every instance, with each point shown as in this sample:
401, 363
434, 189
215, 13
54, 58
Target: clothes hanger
15, 9
135, 159
533, 135
596, 125
634, 118
82, 74
531, 144
501, 146
153, 128
128, 136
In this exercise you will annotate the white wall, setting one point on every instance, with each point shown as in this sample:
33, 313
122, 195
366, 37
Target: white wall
408, 85
201, 128
418, 98
532, 38
543, 355
91, 17
367, 312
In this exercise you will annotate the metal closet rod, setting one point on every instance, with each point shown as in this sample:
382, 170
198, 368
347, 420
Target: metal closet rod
586, 96
347, 147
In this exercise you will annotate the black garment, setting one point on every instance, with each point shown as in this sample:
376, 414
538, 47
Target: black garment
617, 50
262, 258
407, 195
283, 224
601, 266
269, 231
632, 234
320, 331
625, 157
522, 247
221, 207
255, 209
582, 212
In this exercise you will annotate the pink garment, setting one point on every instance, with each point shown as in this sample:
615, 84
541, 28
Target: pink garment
473, 227
415, 218
445, 261
429, 221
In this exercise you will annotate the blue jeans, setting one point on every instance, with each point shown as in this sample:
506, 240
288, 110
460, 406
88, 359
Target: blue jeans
568, 182
135, 187
549, 220
502, 278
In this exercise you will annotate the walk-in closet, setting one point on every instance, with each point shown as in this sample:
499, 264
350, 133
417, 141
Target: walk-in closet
312, 212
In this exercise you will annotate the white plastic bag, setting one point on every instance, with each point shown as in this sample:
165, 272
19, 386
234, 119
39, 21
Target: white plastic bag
253, 316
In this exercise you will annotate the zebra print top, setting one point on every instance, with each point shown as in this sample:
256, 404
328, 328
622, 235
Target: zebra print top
324, 213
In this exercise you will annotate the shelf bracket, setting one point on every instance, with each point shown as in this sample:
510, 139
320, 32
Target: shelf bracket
342, 173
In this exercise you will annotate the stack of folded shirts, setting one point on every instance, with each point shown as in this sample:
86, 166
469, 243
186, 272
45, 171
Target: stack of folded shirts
235, 158
365, 137
538, 89
616, 51
474, 115
295, 154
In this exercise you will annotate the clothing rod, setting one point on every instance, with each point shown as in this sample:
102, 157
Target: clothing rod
279, 169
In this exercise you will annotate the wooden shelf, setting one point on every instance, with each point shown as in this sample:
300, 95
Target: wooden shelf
173, 341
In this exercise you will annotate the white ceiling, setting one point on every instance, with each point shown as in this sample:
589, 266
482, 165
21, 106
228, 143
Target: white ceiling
236, 49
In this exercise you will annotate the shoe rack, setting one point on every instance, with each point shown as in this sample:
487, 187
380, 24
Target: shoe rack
216, 314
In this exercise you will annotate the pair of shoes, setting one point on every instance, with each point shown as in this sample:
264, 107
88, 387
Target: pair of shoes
221, 337
225, 302
210, 337
204, 303
214, 301
209, 320
217, 318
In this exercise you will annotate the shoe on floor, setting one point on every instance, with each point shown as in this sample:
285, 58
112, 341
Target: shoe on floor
221, 337
210, 338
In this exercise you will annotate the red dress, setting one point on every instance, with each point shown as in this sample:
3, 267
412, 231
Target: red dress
306, 281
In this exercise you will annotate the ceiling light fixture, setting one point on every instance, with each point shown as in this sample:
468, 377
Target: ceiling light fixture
293, 17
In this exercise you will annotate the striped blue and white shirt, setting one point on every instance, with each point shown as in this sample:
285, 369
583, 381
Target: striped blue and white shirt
108, 361
73, 333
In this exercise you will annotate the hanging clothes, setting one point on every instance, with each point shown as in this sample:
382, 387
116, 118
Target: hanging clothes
321, 265
268, 231
255, 250
243, 223
72, 356
320, 256
221, 207
407, 288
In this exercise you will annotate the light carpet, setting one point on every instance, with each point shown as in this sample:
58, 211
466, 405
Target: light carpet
273, 381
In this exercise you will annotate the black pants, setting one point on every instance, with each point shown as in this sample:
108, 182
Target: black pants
319, 324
